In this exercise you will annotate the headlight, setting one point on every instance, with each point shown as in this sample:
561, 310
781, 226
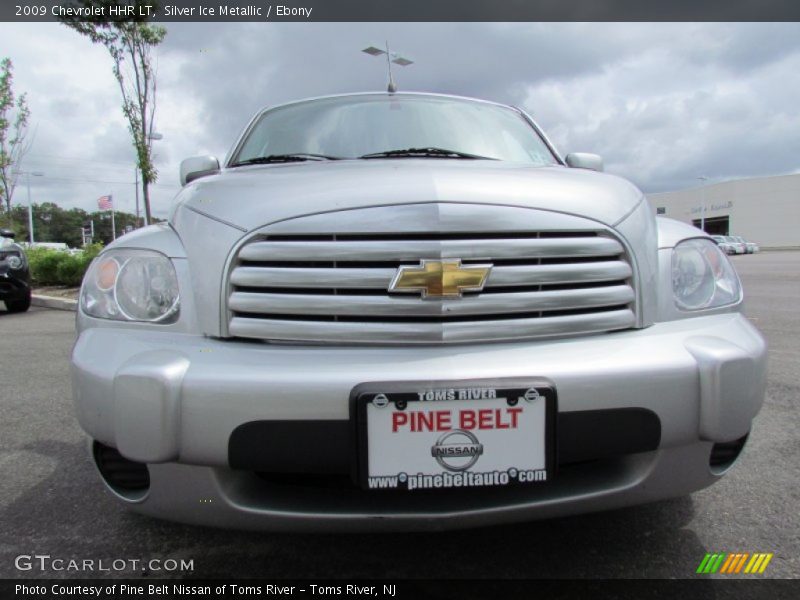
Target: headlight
702, 276
131, 285
14, 261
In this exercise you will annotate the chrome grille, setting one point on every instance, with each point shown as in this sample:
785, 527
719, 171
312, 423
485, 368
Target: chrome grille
333, 289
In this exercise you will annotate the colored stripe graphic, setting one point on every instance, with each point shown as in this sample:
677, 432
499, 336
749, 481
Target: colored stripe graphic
711, 563
726, 566
741, 562
702, 567
758, 563
734, 562
718, 562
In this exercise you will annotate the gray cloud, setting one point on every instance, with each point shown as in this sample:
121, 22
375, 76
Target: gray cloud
663, 102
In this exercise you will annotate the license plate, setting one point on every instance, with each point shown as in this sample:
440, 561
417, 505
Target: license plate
444, 435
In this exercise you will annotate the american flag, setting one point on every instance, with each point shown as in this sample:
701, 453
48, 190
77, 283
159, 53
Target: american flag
105, 203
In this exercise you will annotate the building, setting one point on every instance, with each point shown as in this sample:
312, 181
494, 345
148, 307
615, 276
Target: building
765, 210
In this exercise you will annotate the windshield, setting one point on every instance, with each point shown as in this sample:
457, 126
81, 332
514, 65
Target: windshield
354, 126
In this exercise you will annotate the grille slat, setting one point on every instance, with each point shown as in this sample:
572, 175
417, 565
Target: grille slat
334, 289
426, 333
300, 304
298, 277
413, 250
514, 275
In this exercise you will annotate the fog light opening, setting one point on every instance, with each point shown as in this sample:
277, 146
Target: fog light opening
724, 454
128, 479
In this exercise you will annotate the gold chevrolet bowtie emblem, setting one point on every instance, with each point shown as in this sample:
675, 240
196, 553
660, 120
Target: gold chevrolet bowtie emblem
440, 278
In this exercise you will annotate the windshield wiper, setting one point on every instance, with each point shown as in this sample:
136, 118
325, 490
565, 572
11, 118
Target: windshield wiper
424, 152
281, 158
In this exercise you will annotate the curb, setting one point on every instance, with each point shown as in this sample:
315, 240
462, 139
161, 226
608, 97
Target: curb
53, 302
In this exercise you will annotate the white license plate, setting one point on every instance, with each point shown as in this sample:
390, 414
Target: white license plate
459, 435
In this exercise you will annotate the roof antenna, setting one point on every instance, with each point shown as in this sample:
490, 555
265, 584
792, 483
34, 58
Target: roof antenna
391, 57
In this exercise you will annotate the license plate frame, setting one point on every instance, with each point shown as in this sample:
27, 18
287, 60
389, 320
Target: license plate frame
408, 391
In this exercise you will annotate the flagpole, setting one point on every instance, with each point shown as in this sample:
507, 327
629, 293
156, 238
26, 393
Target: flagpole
113, 225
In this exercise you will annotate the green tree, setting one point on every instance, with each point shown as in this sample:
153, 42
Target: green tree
59, 225
14, 114
130, 42
52, 223
102, 225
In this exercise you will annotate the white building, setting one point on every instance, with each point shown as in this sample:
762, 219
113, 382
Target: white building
765, 210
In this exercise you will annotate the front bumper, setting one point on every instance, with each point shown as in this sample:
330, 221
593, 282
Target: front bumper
13, 287
174, 400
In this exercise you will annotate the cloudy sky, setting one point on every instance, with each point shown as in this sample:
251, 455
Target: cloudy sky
664, 103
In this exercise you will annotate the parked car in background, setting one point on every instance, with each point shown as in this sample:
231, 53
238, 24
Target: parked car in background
50, 245
740, 247
15, 277
724, 245
409, 311
750, 247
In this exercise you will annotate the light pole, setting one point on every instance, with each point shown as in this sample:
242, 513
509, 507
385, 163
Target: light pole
28, 175
703, 179
391, 57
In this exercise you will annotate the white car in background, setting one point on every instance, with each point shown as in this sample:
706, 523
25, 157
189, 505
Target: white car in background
724, 245
739, 247
750, 247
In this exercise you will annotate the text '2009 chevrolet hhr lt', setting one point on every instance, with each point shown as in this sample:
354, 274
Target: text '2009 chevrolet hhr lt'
408, 311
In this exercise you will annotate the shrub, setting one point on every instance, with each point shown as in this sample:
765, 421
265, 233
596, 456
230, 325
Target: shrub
56, 267
70, 270
44, 266
91, 251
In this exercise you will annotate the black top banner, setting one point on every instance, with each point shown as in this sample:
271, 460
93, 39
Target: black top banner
401, 10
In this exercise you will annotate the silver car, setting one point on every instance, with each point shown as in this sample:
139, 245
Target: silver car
726, 246
739, 247
408, 311
750, 247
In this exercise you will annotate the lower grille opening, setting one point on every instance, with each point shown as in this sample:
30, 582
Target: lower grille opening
322, 481
343, 481
724, 454
337, 494
128, 478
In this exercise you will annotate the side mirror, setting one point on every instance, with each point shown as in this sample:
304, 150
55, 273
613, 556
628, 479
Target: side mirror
7, 233
584, 160
197, 167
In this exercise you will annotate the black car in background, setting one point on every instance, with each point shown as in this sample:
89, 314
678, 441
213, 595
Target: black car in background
15, 276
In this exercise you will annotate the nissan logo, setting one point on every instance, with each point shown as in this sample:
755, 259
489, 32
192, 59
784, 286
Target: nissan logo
457, 450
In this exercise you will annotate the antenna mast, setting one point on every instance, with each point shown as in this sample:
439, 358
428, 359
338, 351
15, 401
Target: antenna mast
391, 57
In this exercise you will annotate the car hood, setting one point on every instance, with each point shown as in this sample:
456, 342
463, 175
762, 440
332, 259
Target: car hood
249, 198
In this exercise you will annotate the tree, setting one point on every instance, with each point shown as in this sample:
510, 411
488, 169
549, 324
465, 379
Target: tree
102, 225
130, 41
14, 116
55, 224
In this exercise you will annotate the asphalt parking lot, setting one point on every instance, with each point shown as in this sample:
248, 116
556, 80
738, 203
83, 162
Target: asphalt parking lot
51, 501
